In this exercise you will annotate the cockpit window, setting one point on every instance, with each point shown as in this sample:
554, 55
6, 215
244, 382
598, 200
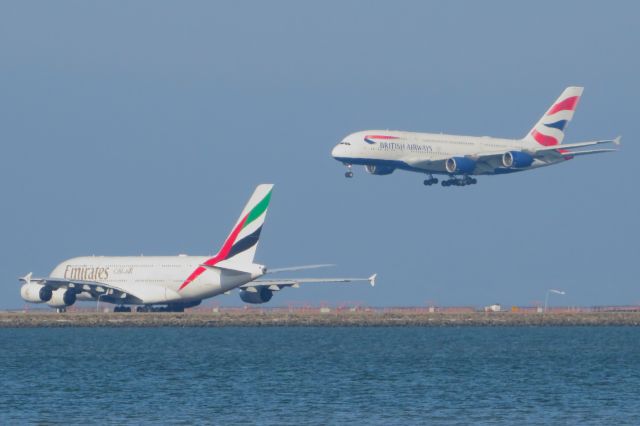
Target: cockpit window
344, 143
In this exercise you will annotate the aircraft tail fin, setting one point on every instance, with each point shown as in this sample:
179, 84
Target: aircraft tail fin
242, 242
239, 248
549, 130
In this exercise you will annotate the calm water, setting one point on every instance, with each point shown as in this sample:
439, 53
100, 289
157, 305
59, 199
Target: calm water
321, 375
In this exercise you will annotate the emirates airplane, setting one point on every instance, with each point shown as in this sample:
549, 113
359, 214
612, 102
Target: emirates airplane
176, 282
460, 158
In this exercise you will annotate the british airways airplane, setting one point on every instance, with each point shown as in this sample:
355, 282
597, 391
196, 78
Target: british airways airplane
175, 282
460, 158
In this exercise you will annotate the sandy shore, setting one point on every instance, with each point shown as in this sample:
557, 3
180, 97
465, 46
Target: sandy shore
314, 319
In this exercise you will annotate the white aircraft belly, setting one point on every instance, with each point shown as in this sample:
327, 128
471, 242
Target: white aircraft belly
152, 293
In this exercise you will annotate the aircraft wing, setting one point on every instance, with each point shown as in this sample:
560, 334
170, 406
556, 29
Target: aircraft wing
95, 288
587, 152
550, 150
298, 268
434, 166
421, 163
276, 285
578, 145
542, 151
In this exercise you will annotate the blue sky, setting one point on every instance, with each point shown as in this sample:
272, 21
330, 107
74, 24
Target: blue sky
143, 127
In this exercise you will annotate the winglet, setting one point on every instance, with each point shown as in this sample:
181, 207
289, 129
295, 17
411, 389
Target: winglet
372, 279
27, 278
617, 140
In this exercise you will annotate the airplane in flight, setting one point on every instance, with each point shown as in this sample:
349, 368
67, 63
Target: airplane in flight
460, 158
175, 282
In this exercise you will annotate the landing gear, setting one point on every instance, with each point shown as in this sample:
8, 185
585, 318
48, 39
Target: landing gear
122, 308
431, 181
349, 172
172, 307
61, 310
453, 181
151, 309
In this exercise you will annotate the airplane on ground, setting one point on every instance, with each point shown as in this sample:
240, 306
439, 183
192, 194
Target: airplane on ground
177, 282
461, 157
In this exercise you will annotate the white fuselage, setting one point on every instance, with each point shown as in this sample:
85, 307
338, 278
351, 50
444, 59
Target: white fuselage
426, 152
154, 279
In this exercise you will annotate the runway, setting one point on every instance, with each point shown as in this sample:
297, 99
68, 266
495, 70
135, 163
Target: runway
315, 318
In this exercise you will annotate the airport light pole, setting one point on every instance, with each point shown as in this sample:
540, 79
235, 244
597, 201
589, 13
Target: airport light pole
546, 299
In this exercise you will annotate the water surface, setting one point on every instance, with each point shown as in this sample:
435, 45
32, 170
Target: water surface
568, 375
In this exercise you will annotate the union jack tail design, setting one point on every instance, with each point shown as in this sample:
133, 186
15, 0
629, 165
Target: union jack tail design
549, 130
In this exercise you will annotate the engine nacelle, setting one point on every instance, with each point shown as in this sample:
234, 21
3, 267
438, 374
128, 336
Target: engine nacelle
62, 297
516, 159
263, 295
461, 165
36, 293
378, 170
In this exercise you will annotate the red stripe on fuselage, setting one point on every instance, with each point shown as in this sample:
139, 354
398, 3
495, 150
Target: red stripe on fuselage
380, 137
568, 104
222, 255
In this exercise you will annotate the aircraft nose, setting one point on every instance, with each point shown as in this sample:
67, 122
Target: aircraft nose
335, 152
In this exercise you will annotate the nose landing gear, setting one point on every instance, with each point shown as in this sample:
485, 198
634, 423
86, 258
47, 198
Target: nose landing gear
349, 172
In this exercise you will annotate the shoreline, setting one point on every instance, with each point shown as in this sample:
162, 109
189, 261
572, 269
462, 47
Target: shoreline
315, 319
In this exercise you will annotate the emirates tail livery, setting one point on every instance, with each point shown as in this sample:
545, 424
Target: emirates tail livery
461, 157
177, 282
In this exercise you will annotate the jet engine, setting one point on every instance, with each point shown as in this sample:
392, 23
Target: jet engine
62, 297
516, 159
36, 293
262, 295
461, 165
378, 170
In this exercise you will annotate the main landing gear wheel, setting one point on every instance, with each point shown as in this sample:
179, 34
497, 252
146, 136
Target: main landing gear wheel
430, 181
467, 180
122, 309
